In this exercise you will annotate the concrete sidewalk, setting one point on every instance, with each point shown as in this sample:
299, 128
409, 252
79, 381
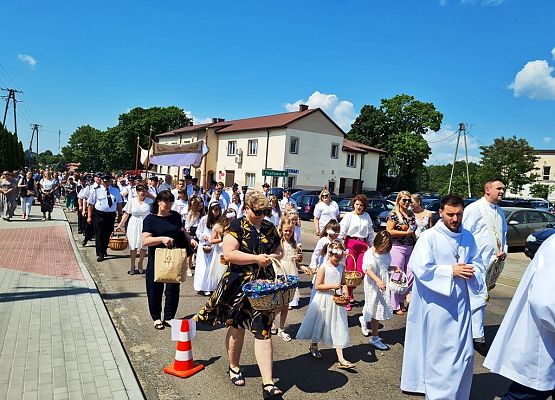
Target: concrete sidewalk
56, 338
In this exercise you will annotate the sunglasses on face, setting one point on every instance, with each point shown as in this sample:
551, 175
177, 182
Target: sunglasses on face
407, 201
265, 211
324, 196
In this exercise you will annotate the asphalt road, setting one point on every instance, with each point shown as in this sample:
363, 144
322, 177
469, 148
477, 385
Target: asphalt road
377, 373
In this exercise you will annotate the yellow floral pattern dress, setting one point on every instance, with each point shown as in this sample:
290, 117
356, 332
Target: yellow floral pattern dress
228, 304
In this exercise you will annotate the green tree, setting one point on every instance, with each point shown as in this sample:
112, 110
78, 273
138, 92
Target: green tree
83, 147
539, 190
119, 144
439, 175
47, 158
511, 159
11, 151
397, 127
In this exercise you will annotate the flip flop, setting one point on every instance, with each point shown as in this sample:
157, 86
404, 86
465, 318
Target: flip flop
159, 325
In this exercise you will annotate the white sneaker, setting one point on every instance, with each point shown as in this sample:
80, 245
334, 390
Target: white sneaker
378, 344
364, 326
189, 272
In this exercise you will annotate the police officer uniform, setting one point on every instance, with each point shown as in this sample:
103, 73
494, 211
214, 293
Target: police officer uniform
104, 202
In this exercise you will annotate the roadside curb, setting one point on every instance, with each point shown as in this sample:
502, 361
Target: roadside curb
128, 376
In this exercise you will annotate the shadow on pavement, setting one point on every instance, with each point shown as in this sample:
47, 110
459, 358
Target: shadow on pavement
43, 294
487, 386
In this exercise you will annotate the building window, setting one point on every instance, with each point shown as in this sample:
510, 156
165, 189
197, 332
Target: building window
334, 150
546, 173
294, 145
231, 147
351, 160
253, 147
291, 181
275, 181
250, 179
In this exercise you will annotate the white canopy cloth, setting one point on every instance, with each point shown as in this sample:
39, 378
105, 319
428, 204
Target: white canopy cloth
176, 155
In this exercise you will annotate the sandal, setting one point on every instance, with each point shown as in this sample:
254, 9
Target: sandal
345, 365
236, 377
158, 325
166, 323
273, 330
132, 272
314, 352
284, 335
271, 391
399, 312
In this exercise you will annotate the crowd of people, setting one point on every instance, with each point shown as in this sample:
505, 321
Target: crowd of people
234, 236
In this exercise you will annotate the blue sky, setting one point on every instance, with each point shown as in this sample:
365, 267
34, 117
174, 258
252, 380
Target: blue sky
488, 63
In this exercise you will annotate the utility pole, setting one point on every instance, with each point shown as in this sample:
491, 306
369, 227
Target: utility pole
462, 129
35, 128
10, 96
59, 134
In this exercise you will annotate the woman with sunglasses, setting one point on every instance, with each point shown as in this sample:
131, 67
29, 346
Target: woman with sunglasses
357, 231
324, 211
401, 224
249, 242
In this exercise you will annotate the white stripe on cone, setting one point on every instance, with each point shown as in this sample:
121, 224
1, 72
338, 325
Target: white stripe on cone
183, 355
184, 337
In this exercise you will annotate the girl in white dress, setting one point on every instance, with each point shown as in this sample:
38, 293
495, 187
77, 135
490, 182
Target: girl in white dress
328, 234
325, 321
377, 297
136, 210
292, 256
195, 213
217, 269
423, 217
293, 215
181, 205
203, 282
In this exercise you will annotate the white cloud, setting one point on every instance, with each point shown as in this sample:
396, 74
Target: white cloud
27, 59
342, 112
196, 120
547, 140
535, 81
553, 53
443, 143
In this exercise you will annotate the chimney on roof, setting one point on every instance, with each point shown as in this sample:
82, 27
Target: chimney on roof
221, 119
303, 107
214, 120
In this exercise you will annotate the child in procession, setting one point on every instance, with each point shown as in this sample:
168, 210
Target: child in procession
328, 234
377, 305
203, 282
217, 269
292, 256
325, 321
181, 205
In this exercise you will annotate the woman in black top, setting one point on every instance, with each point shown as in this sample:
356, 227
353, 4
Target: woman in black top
163, 228
26, 187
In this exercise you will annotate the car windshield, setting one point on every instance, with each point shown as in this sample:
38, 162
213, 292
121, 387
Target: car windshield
345, 203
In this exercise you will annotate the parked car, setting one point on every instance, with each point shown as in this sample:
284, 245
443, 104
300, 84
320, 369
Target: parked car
305, 206
392, 196
374, 209
536, 239
299, 194
374, 194
522, 222
278, 192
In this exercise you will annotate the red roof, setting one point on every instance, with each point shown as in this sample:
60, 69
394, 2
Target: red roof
351, 145
264, 122
191, 128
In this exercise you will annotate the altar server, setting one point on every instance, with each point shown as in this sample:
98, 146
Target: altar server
524, 347
438, 355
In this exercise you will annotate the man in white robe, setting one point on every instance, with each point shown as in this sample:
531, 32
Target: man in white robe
438, 356
524, 347
485, 219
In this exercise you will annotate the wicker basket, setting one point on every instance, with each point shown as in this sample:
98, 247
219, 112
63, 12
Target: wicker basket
340, 299
207, 248
398, 286
265, 294
353, 278
118, 241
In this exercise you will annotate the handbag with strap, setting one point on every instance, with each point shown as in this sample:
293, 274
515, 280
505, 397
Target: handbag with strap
169, 265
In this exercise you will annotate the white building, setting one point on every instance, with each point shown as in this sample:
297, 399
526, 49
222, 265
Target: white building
305, 143
545, 171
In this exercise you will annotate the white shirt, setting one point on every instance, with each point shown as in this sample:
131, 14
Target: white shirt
99, 199
325, 213
358, 226
237, 208
284, 201
165, 186
181, 206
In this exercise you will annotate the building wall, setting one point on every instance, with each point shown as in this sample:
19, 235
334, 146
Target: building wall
545, 160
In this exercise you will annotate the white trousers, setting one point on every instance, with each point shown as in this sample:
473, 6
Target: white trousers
478, 317
26, 203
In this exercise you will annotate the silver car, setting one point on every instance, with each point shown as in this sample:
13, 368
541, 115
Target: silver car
521, 222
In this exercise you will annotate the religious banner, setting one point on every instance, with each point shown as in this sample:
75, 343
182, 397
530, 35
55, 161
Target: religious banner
176, 155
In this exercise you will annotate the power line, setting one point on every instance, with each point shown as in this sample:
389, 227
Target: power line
444, 139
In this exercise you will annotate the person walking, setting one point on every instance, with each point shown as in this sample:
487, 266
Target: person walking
422, 216
401, 225
163, 228
26, 187
6, 196
248, 245
438, 357
136, 210
324, 211
358, 234
47, 187
104, 202
203, 282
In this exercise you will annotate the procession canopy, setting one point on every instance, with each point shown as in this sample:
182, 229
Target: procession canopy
177, 155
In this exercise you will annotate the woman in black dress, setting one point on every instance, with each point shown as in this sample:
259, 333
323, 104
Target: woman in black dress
248, 243
163, 228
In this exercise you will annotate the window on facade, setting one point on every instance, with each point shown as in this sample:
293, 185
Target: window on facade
351, 160
291, 181
253, 147
546, 173
275, 181
334, 150
250, 179
294, 146
231, 147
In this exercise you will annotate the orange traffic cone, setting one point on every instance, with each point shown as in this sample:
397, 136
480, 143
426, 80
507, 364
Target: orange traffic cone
183, 365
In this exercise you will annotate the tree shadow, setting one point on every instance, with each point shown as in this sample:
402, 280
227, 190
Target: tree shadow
44, 294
